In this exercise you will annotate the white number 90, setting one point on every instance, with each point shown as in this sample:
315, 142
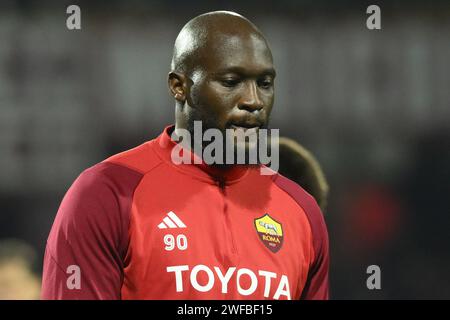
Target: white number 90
180, 243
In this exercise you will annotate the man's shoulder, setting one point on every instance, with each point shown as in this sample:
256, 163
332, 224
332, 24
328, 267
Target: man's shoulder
293, 189
303, 199
140, 159
124, 168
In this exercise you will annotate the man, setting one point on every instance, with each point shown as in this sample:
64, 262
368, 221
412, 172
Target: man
299, 164
18, 280
141, 226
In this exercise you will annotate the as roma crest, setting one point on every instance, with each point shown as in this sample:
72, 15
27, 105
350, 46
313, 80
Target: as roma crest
270, 232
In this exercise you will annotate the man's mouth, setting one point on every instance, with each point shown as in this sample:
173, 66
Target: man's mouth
244, 128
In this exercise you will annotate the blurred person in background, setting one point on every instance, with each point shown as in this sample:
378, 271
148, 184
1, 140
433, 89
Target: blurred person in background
18, 281
299, 164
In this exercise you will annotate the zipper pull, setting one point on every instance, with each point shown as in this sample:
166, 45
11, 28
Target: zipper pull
221, 183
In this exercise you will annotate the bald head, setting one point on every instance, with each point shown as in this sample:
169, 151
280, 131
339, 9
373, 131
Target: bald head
209, 34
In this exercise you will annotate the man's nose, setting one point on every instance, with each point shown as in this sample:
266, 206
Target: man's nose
250, 99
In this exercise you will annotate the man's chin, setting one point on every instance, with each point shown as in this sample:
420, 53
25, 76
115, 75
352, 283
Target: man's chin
247, 147
246, 153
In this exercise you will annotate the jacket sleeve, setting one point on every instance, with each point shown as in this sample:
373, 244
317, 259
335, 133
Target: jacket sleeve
84, 256
317, 284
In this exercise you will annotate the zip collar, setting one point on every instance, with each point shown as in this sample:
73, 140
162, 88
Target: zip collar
163, 145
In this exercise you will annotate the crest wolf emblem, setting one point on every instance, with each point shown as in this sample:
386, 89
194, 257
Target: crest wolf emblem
270, 232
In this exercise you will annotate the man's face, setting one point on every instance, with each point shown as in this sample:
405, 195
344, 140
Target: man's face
234, 86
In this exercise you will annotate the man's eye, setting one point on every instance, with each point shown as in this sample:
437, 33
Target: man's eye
265, 84
230, 82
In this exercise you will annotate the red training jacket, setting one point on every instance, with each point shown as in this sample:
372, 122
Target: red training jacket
138, 226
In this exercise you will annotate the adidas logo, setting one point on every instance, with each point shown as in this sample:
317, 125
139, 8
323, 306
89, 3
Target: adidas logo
171, 221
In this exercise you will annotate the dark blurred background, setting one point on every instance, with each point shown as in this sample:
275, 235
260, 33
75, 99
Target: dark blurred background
373, 106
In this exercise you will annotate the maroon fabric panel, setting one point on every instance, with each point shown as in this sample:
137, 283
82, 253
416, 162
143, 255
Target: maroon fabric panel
317, 285
90, 235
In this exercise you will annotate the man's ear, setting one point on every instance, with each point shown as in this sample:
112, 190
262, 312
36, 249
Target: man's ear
178, 86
